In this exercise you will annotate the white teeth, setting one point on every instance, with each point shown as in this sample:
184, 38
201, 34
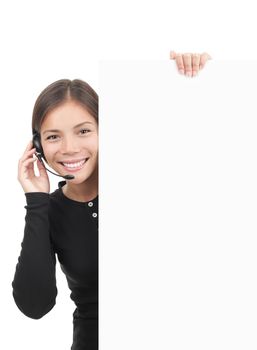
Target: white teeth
74, 165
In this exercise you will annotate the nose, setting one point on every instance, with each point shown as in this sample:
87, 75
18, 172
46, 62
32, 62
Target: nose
69, 146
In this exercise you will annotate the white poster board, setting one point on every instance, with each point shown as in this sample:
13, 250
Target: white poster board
178, 206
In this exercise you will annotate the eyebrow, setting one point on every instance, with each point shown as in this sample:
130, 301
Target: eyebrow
76, 126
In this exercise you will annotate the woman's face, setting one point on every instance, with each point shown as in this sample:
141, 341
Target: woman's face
69, 137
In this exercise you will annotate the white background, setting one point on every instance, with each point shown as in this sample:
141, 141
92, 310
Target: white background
42, 41
178, 206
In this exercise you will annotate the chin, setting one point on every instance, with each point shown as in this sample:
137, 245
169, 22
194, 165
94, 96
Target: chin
75, 181
78, 178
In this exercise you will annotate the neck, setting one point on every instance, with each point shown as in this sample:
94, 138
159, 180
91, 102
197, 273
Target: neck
83, 192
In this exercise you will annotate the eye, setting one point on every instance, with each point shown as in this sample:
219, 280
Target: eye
84, 131
52, 137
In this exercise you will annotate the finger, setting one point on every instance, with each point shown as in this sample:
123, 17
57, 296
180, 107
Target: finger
29, 146
27, 154
188, 64
41, 168
172, 55
26, 168
30, 168
28, 149
195, 64
180, 63
26, 162
203, 59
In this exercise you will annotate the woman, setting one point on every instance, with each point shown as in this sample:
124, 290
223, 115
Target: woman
65, 122
65, 222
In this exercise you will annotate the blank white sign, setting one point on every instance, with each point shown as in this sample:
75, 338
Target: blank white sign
178, 186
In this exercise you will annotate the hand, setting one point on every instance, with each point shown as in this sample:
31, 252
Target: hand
26, 175
190, 63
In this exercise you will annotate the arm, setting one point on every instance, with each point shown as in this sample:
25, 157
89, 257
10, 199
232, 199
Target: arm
34, 284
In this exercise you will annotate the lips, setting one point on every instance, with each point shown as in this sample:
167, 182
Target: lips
74, 165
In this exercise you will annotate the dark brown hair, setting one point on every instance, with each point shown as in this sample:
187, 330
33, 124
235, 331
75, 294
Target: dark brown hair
59, 92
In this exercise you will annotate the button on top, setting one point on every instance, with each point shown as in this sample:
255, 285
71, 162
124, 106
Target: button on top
90, 204
94, 215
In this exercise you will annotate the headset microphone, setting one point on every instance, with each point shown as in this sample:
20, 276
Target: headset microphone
66, 177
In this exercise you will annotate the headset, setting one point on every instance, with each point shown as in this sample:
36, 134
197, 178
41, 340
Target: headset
36, 140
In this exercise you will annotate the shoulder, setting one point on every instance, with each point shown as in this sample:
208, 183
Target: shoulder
56, 209
55, 198
56, 195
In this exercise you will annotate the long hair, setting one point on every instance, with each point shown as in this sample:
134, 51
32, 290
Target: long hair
58, 93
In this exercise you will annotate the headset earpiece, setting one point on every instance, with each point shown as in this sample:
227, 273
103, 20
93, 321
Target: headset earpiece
37, 144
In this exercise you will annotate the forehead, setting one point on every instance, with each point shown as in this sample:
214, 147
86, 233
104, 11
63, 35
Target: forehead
67, 114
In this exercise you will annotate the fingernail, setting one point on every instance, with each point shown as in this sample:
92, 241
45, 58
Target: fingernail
188, 74
181, 71
194, 73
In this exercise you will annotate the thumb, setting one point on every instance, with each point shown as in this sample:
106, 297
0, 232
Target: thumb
172, 55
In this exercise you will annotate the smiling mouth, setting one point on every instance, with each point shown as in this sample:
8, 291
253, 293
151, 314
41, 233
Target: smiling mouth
73, 166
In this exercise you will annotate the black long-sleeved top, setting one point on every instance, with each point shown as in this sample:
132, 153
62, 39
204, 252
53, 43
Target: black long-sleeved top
55, 224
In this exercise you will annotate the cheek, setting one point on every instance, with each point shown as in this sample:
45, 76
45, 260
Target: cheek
92, 146
49, 150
